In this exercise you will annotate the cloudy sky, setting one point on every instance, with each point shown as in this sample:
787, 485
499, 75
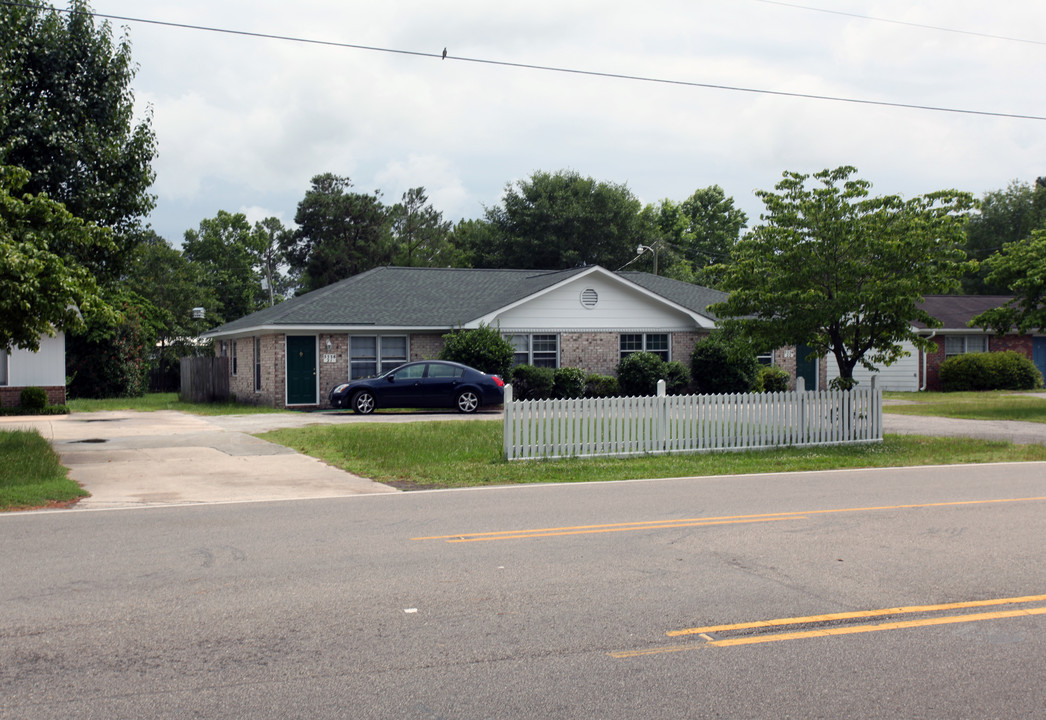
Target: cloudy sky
244, 122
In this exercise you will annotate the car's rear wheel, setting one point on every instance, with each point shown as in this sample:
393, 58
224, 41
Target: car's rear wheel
363, 402
468, 401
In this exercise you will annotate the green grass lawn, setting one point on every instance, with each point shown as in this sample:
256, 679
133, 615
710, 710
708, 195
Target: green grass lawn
971, 405
30, 473
167, 401
462, 454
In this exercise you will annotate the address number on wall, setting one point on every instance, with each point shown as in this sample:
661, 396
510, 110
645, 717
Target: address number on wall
330, 357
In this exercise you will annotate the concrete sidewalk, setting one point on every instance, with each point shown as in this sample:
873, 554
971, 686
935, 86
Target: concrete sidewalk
137, 459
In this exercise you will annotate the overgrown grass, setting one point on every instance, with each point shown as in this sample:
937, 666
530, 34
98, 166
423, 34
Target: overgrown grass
971, 405
31, 474
461, 454
167, 401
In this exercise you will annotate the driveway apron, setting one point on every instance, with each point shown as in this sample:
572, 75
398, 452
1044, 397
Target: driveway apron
136, 459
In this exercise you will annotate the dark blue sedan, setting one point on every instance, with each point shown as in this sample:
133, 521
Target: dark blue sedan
426, 384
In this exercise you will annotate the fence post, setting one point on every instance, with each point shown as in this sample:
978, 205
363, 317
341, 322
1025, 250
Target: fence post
800, 396
662, 415
507, 430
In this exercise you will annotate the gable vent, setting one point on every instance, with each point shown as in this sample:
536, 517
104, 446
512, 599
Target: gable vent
589, 298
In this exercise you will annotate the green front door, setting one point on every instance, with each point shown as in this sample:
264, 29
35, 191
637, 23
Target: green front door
301, 370
806, 369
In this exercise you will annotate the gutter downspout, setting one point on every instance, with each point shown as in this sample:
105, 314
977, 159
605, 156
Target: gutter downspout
923, 388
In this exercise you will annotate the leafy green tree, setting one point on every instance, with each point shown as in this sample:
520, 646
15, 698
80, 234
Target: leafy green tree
474, 240
271, 235
1020, 267
1005, 216
841, 271
112, 357
41, 291
68, 118
419, 232
340, 233
700, 233
562, 220
162, 275
229, 257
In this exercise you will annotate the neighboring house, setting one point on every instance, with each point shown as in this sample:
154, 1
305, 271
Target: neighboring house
921, 371
292, 354
23, 368
956, 337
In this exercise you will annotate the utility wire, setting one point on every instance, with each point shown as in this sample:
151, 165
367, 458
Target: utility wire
921, 26
549, 68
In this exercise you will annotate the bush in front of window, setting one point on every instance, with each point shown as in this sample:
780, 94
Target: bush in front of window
771, 379
482, 348
568, 382
532, 383
677, 378
1007, 370
601, 386
638, 373
719, 366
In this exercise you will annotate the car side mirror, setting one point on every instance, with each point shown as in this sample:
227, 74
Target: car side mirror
391, 378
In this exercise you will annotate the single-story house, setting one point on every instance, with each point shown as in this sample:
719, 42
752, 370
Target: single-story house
921, 371
44, 368
292, 354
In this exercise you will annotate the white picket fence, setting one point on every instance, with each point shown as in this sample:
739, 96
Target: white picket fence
624, 426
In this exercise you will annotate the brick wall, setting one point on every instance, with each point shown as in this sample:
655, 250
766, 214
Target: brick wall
425, 347
592, 352
332, 373
12, 396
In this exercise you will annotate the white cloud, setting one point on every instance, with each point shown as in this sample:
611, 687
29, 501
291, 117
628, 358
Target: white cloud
245, 122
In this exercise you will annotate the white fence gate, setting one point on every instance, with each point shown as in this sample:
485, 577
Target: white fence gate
625, 426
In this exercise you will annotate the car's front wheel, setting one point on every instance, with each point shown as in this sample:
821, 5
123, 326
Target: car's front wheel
363, 402
468, 402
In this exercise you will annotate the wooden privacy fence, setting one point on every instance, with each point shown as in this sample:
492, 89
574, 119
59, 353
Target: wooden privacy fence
204, 379
625, 426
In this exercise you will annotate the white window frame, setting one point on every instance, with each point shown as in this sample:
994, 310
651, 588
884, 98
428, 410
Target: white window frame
645, 343
381, 364
964, 341
525, 354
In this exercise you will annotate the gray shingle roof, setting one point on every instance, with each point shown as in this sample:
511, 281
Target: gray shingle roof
955, 311
438, 297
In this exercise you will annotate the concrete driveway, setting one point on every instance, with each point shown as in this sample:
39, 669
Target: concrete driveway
136, 459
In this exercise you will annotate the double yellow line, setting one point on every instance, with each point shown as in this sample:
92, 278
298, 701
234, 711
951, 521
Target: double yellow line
694, 522
707, 631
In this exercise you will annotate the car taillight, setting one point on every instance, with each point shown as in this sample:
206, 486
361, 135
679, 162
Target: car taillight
498, 380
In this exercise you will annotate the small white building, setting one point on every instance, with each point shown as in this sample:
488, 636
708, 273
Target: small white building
44, 368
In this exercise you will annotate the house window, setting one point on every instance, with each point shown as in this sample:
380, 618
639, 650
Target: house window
233, 357
963, 344
537, 350
766, 358
656, 343
257, 364
371, 355
4, 379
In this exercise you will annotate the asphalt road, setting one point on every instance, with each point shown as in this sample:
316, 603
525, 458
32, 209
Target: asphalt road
542, 602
